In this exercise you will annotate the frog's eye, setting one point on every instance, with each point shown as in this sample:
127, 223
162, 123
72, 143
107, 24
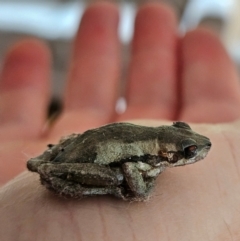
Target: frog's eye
189, 148
190, 151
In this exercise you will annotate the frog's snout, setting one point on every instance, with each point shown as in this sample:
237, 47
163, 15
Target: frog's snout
208, 145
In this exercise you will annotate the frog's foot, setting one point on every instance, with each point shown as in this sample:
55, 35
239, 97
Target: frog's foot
139, 185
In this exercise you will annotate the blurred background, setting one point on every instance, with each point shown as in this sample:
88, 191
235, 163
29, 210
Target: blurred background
56, 21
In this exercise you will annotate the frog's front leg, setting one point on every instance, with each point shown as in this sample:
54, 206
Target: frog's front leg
140, 178
80, 179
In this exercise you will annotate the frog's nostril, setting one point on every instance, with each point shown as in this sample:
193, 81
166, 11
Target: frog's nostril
209, 145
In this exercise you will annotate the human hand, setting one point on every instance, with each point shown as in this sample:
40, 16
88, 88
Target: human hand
169, 78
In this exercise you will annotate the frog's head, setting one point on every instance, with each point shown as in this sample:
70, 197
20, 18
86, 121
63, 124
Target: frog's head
182, 146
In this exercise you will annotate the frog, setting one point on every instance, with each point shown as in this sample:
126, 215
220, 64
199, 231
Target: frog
119, 159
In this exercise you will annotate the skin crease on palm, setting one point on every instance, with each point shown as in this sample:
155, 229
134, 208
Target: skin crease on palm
189, 78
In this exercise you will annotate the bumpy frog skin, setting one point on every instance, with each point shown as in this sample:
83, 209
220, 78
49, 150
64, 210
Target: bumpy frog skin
120, 159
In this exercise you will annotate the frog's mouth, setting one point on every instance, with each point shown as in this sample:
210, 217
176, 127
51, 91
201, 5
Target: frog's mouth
171, 157
200, 155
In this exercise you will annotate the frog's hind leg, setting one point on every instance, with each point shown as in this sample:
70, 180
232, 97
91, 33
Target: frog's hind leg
87, 174
74, 190
80, 179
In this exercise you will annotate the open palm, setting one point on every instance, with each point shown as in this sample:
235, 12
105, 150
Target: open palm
189, 78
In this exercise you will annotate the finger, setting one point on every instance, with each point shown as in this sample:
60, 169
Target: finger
152, 90
24, 89
95, 64
210, 85
92, 85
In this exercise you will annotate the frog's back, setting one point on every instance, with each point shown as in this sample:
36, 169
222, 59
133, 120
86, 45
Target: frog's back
124, 132
92, 144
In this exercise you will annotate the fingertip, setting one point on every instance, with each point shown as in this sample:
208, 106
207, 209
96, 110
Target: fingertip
204, 41
201, 32
22, 62
100, 9
202, 47
154, 22
31, 48
100, 19
163, 11
105, 5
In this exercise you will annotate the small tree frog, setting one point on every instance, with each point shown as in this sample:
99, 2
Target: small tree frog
120, 159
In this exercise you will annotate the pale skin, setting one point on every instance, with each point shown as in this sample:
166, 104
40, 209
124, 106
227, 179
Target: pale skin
196, 83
